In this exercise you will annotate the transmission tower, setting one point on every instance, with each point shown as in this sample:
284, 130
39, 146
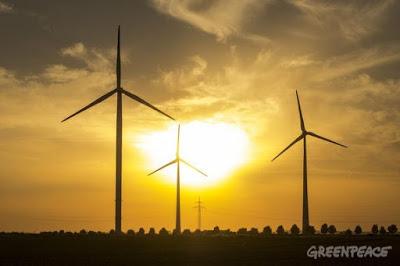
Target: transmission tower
199, 207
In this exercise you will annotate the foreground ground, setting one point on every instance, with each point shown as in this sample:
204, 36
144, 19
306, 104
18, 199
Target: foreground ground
168, 250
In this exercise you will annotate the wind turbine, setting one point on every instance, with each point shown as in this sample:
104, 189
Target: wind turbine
304, 134
178, 160
119, 91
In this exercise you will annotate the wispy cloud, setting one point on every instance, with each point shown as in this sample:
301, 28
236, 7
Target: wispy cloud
215, 17
354, 20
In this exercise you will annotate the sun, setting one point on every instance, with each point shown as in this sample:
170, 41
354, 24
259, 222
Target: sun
217, 148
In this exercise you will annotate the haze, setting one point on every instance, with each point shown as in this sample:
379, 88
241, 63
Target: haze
207, 63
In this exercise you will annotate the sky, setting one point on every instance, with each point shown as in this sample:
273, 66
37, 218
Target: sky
228, 74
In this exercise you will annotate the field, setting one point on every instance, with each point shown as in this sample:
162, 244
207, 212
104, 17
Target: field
105, 249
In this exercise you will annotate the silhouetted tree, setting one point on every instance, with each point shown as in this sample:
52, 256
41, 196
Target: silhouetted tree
130, 232
358, 230
141, 232
324, 229
175, 233
152, 232
163, 232
253, 231
348, 232
295, 230
267, 230
82, 232
186, 232
392, 229
374, 229
227, 232
309, 230
332, 229
242, 231
382, 230
197, 232
112, 232
280, 230
216, 230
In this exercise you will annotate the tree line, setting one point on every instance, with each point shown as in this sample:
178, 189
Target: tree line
294, 230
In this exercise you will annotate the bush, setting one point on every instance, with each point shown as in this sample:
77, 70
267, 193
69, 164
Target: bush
392, 229
332, 229
176, 232
358, 230
197, 232
280, 230
130, 232
382, 230
310, 230
348, 232
163, 232
324, 229
295, 230
374, 229
152, 232
242, 231
216, 230
141, 232
253, 231
186, 232
267, 230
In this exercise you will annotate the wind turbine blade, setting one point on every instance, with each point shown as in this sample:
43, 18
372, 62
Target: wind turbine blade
99, 100
178, 140
140, 100
328, 140
118, 63
290, 145
303, 128
191, 166
162, 167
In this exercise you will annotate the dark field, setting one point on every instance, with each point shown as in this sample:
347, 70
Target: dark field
184, 250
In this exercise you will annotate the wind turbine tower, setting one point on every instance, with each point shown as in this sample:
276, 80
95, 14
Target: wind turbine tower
178, 160
118, 166
303, 135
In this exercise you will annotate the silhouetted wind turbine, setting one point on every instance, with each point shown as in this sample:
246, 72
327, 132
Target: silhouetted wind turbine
119, 91
303, 135
178, 160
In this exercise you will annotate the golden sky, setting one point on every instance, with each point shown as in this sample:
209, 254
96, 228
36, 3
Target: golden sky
228, 73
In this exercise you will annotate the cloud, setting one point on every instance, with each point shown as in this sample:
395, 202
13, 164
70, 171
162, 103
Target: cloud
62, 74
354, 20
78, 50
95, 59
217, 17
57, 85
356, 61
349, 21
5, 8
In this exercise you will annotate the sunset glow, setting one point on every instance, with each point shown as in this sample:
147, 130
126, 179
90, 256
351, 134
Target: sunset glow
228, 74
215, 148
